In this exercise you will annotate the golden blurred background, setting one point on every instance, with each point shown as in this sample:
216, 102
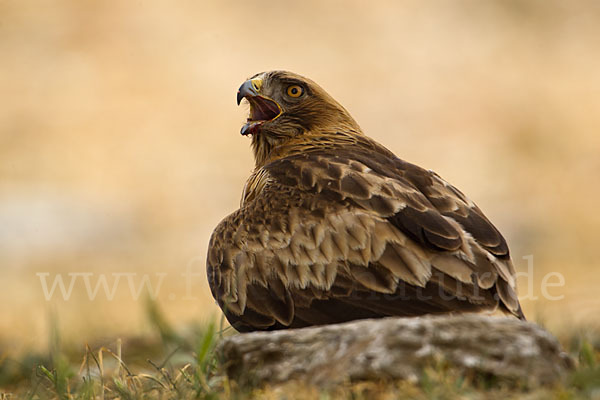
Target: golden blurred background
120, 148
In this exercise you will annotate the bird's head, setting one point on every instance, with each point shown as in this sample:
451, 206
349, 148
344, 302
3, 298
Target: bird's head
284, 105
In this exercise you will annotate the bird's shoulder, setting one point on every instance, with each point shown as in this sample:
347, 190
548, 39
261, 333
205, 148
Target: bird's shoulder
322, 164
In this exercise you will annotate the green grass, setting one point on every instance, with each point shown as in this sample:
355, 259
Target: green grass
171, 365
166, 366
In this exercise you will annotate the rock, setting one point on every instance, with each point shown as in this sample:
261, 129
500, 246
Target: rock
398, 348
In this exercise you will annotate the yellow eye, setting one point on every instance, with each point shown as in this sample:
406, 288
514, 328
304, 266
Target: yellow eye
294, 91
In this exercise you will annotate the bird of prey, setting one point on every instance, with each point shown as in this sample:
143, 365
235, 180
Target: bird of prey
333, 227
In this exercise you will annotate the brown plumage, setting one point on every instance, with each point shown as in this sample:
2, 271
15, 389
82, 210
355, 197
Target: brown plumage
334, 227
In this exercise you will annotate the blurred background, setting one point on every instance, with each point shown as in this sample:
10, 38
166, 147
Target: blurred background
120, 148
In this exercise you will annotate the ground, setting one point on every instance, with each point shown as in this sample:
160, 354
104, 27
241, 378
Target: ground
171, 365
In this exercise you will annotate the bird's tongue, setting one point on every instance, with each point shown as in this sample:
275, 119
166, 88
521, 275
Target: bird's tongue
263, 109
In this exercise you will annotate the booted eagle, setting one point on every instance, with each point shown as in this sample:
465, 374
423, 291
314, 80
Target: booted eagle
333, 227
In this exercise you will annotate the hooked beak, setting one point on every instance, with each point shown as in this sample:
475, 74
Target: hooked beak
262, 108
248, 89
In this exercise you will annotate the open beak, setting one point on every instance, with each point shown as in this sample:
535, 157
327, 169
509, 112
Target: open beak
262, 108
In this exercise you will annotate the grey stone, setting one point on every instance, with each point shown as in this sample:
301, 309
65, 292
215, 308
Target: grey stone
398, 348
